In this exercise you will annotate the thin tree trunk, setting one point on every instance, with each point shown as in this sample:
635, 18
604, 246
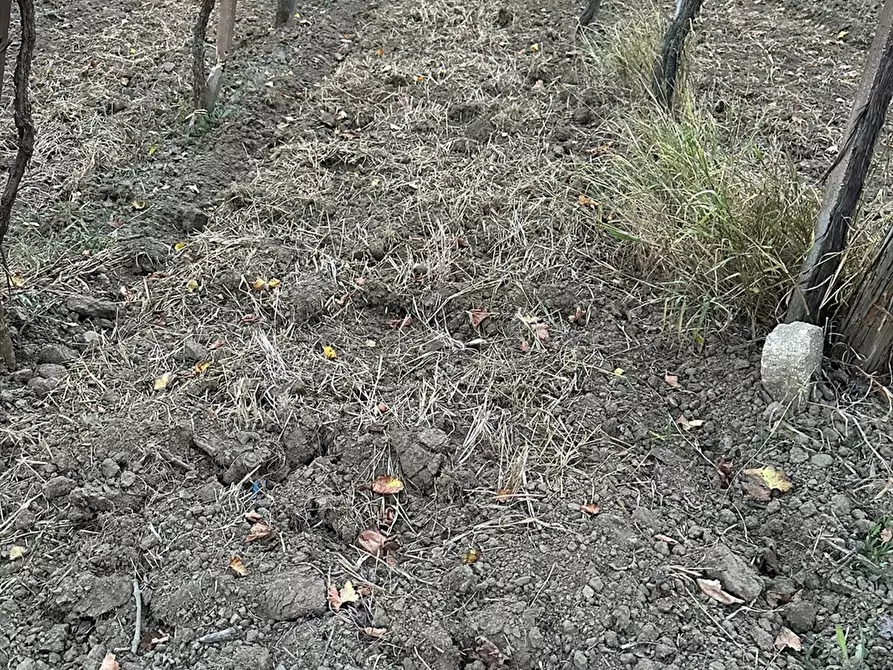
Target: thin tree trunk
285, 9
590, 14
25, 129
226, 26
666, 67
199, 32
816, 282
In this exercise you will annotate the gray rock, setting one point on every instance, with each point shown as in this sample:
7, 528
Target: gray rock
109, 468
736, 575
419, 465
581, 661
56, 353
194, 352
300, 448
103, 594
52, 371
42, 387
58, 487
294, 595
822, 460
797, 455
841, 504
800, 616
22, 376
91, 308
792, 355
433, 439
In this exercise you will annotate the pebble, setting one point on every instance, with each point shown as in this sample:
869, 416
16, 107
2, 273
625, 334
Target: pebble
588, 593
109, 468
841, 504
51, 371
800, 616
797, 455
581, 661
58, 487
822, 460
56, 353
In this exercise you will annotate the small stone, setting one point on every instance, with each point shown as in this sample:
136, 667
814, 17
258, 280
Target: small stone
22, 376
588, 593
644, 664
194, 352
109, 468
56, 353
293, 595
92, 308
581, 661
597, 584
52, 371
583, 116
42, 387
822, 460
841, 504
800, 616
433, 439
103, 595
792, 355
736, 575
128, 479
58, 487
797, 455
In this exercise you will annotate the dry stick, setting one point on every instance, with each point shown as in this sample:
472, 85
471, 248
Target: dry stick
138, 625
666, 68
25, 128
198, 52
842, 194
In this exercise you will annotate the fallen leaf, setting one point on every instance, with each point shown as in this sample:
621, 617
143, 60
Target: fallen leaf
379, 52
382, 408
886, 535
387, 485
787, 639
17, 279
372, 541
259, 284
478, 316
542, 332
259, 531
374, 632
724, 469
347, 594
685, 424
179, 246
579, 315
191, 285
162, 382
238, 567
273, 283
773, 478
672, 380
713, 589
250, 318
400, 324
586, 201
252, 517
534, 48
138, 204
524, 346
619, 372
470, 556
590, 509
329, 352
756, 491
201, 367
665, 538
109, 662
16, 552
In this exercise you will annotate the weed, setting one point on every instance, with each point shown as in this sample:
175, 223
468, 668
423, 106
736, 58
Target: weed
878, 543
859, 653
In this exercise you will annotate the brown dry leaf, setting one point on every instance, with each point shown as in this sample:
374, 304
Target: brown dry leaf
586, 201
712, 589
17, 279
387, 485
372, 541
756, 491
478, 316
471, 556
376, 633
260, 530
724, 468
770, 477
238, 567
109, 662
579, 315
201, 367
347, 594
788, 639
590, 509
252, 517
672, 380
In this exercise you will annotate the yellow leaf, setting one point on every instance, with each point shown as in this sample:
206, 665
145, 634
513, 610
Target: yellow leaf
371, 343
387, 485
586, 201
348, 594
329, 352
238, 567
17, 279
132, 51
153, 149
773, 478
161, 382
179, 246
842, 34
139, 204
470, 556
16, 552
191, 285
201, 367
273, 283
259, 284
619, 372
534, 48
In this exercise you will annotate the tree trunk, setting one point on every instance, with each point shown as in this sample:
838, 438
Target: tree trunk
25, 130
666, 67
816, 283
198, 53
590, 14
285, 10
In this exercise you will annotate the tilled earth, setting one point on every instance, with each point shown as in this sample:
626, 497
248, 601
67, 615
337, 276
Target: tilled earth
443, 311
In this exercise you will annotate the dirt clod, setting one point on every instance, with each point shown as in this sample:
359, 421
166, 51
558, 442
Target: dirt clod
293, 595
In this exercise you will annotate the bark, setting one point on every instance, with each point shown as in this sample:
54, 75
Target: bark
199, 33
285, 10
666, 67
816, 283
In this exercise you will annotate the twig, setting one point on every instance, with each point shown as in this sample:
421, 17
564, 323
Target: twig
138, 625
220, 636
